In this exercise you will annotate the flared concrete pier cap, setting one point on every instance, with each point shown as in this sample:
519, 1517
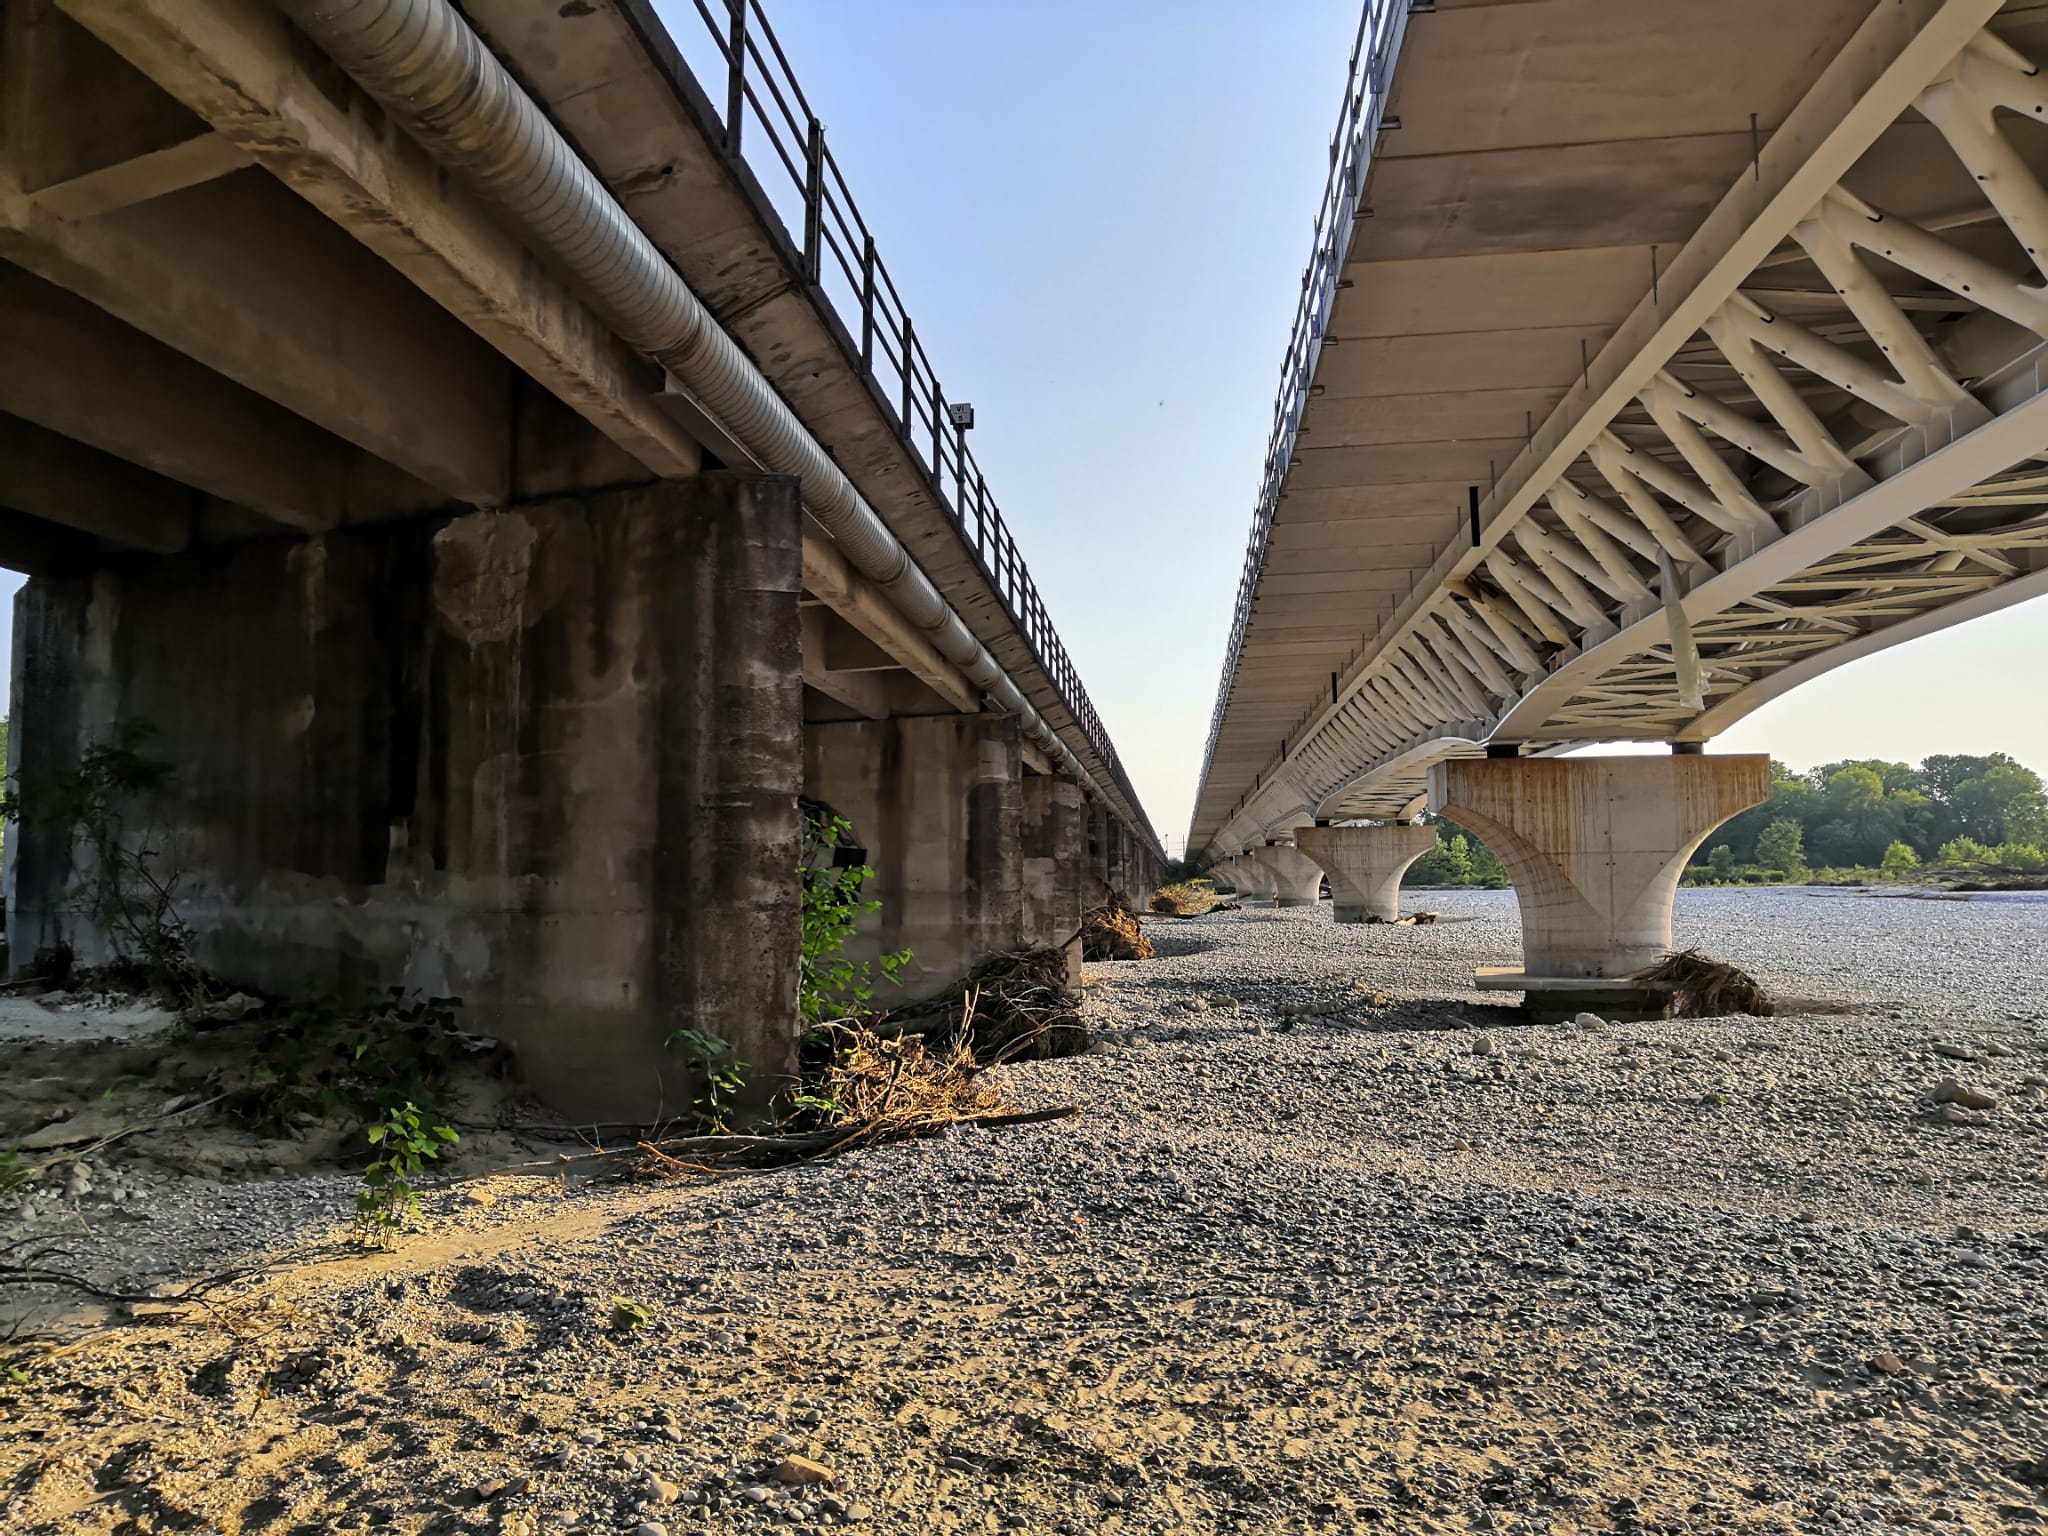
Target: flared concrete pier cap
1365, 865
1595, 847
1297, 878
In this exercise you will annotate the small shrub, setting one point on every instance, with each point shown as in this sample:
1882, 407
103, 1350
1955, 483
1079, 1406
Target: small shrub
630, 1316
829, 986
719, 1076
405, 1145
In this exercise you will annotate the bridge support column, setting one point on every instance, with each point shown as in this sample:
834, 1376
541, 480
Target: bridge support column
937, 801
1055, 834
1595, 846
1365, 865
544, 759
1100, 823
1297, 878
1253, 880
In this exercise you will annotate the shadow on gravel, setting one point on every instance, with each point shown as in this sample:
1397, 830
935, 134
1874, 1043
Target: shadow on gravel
1169, 946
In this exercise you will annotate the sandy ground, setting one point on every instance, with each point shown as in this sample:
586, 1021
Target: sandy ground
1332, 1246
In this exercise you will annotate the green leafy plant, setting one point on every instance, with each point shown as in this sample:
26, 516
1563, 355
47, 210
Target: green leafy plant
630, 1316
404, 1145
718, 1075
13, 1173
830, 986
362, 1060
121, 885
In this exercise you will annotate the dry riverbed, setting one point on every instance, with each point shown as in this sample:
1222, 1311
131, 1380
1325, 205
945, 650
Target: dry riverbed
1333, 1246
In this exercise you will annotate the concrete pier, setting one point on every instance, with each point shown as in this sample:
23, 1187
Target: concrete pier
1365, 865
543, 759
1055, 844
1297, 878
1251, 879
937, 801
1595, 847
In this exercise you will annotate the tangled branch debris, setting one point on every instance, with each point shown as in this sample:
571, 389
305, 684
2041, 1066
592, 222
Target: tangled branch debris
1190, 898
876, 1089
1015, 1007
1704, 988
1112, 932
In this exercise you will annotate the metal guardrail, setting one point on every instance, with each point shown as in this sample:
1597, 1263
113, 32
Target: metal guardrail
764, 101
1373, 51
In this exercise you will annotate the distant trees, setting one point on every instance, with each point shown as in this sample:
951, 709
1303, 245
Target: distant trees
1459, 858
1782, 848
1953, 809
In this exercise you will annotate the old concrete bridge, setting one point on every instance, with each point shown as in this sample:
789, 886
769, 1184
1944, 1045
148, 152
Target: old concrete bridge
428, 423
1652, 358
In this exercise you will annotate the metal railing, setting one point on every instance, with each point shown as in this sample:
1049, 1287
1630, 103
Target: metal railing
1373, 52
762, 100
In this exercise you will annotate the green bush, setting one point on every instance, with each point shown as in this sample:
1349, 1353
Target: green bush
829, 986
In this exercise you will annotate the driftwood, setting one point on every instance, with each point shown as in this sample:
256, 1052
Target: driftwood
1705, 988
1113, 932
697, 1155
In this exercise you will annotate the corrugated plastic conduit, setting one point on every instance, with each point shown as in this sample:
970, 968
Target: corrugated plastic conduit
434, 75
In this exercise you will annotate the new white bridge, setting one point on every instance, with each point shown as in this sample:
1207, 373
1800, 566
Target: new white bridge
1653, 358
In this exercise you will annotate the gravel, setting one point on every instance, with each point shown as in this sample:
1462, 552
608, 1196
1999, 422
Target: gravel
1336, 1244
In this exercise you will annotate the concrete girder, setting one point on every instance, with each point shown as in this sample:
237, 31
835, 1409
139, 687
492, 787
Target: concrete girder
834, 582
63, 482
71, 367
241, 66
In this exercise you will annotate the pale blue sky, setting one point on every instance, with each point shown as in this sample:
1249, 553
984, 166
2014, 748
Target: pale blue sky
1098, 215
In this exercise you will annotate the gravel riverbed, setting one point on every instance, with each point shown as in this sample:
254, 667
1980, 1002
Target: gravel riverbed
1335, 1244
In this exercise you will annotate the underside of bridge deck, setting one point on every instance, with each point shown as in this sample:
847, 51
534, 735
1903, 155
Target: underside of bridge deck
1654, 358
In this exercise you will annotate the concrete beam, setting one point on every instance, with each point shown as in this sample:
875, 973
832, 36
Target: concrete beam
71, 367
316, 325
34, 547
57, 480
245, 70
829, 578
187, 163
860, 691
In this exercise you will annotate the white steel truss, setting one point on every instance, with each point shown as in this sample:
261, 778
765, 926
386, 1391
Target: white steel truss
1846, 448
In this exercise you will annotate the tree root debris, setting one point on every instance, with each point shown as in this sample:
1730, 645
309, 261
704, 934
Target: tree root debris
1705, 988
1113, 932
1014, 1007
